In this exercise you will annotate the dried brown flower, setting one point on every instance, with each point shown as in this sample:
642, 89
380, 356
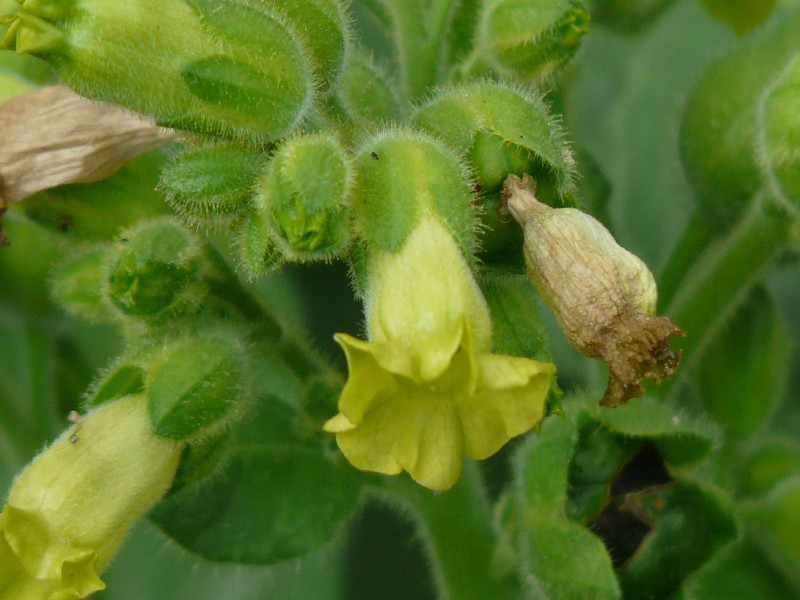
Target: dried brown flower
603, 297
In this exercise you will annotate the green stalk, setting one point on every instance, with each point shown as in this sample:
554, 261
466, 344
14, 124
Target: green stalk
458, 533
721, 278
695, 238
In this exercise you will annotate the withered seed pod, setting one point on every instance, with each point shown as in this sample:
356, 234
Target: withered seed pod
603, 297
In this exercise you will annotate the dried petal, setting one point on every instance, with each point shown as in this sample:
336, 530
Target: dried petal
603, 297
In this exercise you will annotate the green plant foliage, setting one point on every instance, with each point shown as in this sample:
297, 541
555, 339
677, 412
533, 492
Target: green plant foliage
321, 140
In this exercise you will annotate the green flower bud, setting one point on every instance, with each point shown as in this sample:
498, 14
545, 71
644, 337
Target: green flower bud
205, 185
502, 130
69, 511
304, 197
256, 248
727, 105
402, 175
364, 92
530, 40
151, 272
195, 386
780, 153
77, 283
603, 297
235, 68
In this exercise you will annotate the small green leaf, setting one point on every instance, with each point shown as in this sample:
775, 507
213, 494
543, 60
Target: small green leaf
740, 571
196, 386
569, 561
680, 438
77, 283
689, 524
268, 504
541, 467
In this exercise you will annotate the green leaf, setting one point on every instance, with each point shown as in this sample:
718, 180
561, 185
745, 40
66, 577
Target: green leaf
740, 571
268, 504
689, 524
766, 464
568, 561
679, 437
743, 374
517, 326
151, 565
541, 467
775, 526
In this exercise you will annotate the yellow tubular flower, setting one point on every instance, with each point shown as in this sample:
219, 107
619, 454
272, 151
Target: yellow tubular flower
70, 509
425, 389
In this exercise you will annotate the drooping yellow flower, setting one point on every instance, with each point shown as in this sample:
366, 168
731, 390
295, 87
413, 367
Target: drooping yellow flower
68, 512
425, 389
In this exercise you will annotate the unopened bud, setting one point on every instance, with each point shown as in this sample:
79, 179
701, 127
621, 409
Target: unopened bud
603, 297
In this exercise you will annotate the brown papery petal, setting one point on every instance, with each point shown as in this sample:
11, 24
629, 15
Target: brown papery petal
50, 137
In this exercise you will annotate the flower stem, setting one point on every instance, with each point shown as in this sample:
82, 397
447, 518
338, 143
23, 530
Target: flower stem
459, 537
720, 279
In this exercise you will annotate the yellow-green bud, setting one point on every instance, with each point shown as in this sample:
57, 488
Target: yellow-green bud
603, 297
69, 511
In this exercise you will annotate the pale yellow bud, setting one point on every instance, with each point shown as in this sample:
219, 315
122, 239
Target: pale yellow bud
603, 297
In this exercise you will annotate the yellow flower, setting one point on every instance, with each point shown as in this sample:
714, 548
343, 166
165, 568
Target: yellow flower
425, 389
70, 509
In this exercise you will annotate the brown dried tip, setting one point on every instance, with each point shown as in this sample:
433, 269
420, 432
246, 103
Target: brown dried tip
51, 137
603, 297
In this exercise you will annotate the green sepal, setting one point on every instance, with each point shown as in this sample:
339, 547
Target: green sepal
364, 92
256, 249
121, 379
76, 283
196, 386
150, 271
388, 202
210, 183
200, 459
325, 28
472, 116
304, 197
532, 41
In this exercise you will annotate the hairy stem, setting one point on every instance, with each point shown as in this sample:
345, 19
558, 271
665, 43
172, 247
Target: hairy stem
459, 537
721, 278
